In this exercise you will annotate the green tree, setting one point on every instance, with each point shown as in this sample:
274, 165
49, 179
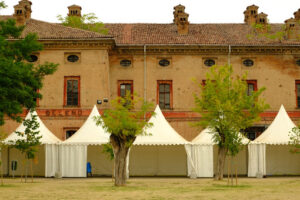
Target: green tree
29, 141
227, 109
295, 140
2, 146
87, 22
20, 80
124, 124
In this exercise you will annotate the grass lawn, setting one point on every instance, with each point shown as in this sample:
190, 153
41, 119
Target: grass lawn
152, 188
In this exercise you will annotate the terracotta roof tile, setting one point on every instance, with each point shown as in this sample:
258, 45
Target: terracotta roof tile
160, 34
50, 31
199, 34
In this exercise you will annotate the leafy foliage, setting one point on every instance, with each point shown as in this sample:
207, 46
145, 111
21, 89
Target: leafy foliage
124, 124
19, 79
295, 140
87, 22
107, 148
123, 121
2, 145
226, 107
30, 139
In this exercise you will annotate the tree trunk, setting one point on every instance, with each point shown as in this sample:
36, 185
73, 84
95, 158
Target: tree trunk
26, 170
1, 173
120, 147
222, 151
31, 168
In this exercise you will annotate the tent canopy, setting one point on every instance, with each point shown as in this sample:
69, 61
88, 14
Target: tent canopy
206, 138
278, 131
89, 133
161, 133
47, 136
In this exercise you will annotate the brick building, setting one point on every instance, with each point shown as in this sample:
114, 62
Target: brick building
158, 62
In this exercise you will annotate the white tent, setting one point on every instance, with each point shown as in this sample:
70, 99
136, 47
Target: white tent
202, 153
48, 139
160, 152
74, 151
276, 159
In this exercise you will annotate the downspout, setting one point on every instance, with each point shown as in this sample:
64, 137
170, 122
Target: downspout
229, 55
145, 75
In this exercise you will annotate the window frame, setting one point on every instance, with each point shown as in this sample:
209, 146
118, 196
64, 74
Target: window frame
296, 92
254, 83
66, 78
170, 82
127, 82
65, 129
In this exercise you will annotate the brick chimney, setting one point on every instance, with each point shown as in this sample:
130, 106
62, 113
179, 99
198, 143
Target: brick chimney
22, 12
262, 19
297, 14
74, 10
251, 13
292, 28
181, 20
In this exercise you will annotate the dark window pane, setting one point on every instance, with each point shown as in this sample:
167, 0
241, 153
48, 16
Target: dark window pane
72, 92
124, 88
69, 133
167, 88
250, 89
298, 62
33, 58
164, 96
164, 62
73, 58
161, 88
298, 95
125, 63
209, 62
248, 62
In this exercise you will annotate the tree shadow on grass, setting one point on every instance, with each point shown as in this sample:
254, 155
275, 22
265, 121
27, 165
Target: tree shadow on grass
8, 186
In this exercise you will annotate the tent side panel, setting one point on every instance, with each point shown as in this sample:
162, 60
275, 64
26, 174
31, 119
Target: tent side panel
51, 165
38, 163
3, 158
101, 164
73, 160
158, 161
279, 161
203, 160
239, 161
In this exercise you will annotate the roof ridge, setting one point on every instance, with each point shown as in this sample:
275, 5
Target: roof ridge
68, 27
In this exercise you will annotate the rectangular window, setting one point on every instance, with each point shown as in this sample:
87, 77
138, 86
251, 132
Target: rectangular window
298, 93
72, 91
164, 94
124, 87
69, 132
252, 86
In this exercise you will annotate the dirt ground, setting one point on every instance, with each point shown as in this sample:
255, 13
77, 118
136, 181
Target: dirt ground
152, 188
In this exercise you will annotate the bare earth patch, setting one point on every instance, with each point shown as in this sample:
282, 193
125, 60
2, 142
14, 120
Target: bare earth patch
152, 188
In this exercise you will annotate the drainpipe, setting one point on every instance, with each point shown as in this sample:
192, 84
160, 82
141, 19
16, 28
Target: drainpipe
229, 54
145, 73
145, 76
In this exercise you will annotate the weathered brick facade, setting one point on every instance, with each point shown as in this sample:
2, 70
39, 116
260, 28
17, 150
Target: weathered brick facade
145, 45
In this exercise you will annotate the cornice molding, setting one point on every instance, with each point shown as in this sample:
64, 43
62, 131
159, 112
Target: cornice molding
205, 50
78, 44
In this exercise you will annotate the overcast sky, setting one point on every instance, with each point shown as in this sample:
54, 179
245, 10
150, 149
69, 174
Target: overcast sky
161, 11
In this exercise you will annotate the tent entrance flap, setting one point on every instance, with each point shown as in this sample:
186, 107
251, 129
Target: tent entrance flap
73, 160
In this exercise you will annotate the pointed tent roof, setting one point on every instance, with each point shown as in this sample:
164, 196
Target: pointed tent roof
278, 131
47, 136
206, 138
89, 133
161, 133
